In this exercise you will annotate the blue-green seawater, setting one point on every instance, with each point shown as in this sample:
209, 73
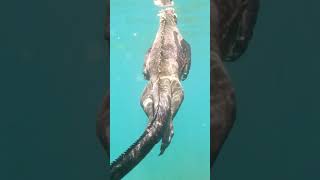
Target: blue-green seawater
133, 28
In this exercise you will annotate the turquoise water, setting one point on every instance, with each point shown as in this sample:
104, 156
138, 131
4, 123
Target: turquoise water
133, 28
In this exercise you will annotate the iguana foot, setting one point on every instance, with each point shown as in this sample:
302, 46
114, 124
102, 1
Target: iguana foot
167, 137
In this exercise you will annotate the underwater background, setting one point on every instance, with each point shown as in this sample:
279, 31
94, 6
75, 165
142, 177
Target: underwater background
133, 28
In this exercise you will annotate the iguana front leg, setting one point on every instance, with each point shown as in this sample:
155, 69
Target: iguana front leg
146, 74
186, 58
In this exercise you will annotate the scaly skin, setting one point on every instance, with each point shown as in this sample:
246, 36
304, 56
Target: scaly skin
166, 63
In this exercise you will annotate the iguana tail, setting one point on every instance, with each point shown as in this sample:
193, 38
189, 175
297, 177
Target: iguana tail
150, 137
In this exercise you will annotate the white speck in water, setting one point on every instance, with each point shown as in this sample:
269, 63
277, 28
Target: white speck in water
118, 37
134, 34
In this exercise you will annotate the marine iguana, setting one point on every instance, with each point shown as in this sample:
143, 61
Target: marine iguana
166, 63
232, 24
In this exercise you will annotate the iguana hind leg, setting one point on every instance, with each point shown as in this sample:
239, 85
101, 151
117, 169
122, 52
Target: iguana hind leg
176, 100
